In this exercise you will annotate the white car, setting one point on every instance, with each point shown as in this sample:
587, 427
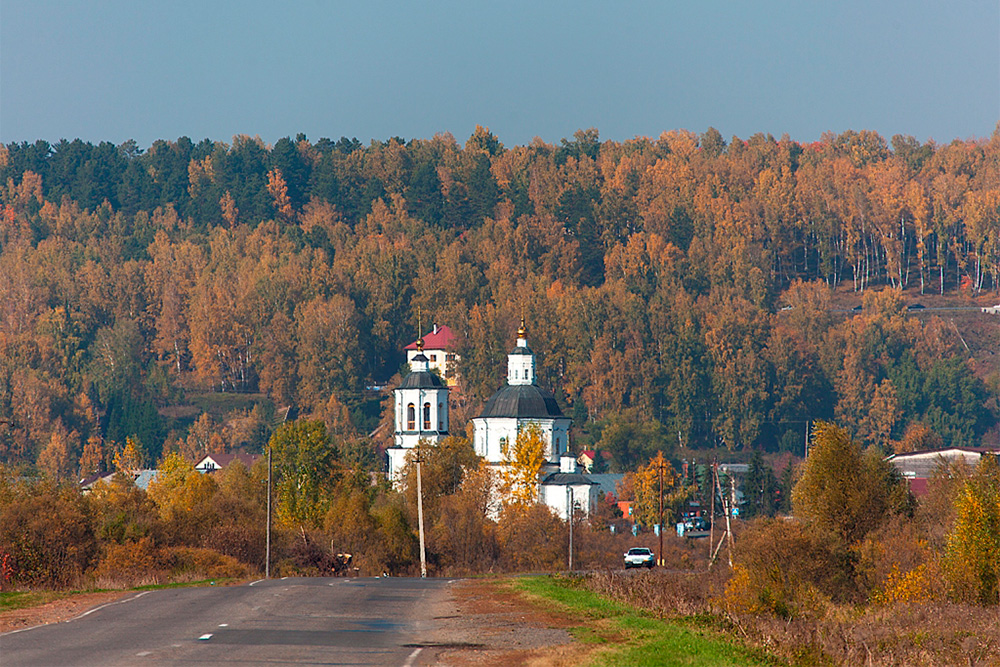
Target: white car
639, 557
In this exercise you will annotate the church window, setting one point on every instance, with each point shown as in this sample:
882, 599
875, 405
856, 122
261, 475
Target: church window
440, 416
434, 358
558, 444
427, 416
411, 417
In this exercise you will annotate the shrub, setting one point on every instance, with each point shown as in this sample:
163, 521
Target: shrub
130, 564
788, 569
47, 534
895, 564
195, 563
531, 538
246, 543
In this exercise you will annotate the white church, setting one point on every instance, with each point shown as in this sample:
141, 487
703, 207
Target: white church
421, 414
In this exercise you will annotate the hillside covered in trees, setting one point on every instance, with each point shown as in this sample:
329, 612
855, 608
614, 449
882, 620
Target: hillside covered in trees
680, 292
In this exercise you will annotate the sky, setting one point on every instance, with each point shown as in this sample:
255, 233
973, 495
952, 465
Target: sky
115, 70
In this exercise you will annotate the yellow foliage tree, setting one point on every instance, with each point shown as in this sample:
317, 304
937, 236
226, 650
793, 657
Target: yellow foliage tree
92, 459
183, 497
524, 462
128, 459
56, 458
647, 490
971, 562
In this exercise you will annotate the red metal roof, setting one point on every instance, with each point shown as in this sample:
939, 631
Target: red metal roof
439, 339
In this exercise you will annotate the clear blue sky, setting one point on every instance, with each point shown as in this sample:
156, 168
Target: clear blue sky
135, 69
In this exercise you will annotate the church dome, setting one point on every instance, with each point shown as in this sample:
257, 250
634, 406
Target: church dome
525, 401
421, 380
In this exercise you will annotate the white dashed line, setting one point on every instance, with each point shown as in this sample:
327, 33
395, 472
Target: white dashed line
223, 625
205, 637
143, 654
413, 656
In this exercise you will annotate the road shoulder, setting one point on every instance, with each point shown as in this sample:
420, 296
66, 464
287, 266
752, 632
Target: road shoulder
57, 611
488, 622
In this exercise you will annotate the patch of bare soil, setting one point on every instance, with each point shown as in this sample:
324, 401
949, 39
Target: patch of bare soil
487, 623
56, 611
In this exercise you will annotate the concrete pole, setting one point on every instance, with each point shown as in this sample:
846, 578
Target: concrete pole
267, 549
420, 520
569, 514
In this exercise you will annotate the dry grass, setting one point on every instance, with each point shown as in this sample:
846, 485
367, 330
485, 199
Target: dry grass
931, 633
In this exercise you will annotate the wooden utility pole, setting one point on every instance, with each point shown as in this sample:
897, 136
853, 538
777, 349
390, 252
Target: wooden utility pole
659, 469
420, 516
711, 513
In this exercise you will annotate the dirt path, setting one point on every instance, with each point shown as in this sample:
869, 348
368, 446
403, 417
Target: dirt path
57, 610
490, 624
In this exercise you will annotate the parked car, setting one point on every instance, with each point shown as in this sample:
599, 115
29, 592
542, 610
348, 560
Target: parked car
697, 523
639, 557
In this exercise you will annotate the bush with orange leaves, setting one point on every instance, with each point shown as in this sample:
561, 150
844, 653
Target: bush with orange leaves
132, 563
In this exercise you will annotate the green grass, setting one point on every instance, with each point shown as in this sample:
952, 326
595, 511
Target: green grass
630, 636
10, 600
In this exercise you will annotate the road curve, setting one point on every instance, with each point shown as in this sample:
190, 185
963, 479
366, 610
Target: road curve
317, 621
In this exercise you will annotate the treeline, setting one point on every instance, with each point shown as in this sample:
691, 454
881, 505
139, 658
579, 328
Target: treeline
328, 518
678, 291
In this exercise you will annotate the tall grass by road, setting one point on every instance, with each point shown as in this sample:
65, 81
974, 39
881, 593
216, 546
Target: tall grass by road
624, 635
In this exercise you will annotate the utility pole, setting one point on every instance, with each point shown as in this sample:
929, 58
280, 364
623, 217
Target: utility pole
420, 515
569, 515
728, 537
659, 468
711, 513
267, 540
267, 555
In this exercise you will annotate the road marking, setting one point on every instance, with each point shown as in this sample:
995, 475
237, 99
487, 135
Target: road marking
256, 582
413, 656
143, 654
205, 637
223, 625
109, 604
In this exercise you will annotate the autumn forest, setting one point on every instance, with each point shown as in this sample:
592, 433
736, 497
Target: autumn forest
685, 292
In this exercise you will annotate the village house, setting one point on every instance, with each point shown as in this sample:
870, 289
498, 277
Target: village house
437, 346
213, 462
918, 468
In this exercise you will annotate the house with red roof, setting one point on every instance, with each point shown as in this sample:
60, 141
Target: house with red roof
439, 350
918, 468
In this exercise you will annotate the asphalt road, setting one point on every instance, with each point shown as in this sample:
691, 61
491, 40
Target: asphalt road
319, 621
